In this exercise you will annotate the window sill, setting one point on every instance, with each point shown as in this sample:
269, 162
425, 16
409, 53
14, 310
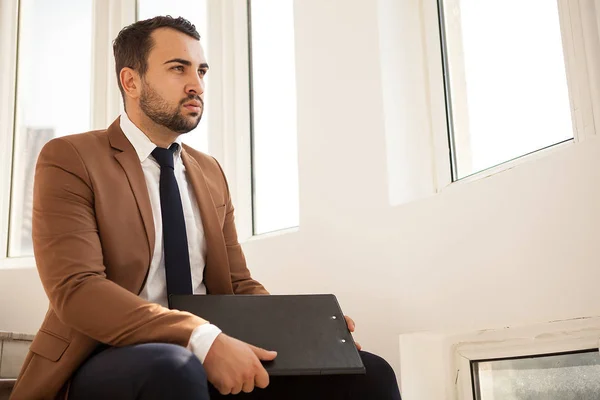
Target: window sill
486, 173
17, 263
269, 235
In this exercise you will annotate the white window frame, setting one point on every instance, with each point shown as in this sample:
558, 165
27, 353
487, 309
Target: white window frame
230, 130
579, 28
229, 123
536, 340
109, 17
8, 51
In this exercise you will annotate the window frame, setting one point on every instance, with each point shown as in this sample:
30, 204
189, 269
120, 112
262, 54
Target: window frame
579, 29
547, 339
8, 74
230, 123
255, 233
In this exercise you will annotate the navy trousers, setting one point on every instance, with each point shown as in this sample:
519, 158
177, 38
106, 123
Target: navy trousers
156, 371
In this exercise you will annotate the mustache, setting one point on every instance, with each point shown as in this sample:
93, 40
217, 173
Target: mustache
190, 98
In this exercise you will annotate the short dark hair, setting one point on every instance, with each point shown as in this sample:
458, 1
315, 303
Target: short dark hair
133, 43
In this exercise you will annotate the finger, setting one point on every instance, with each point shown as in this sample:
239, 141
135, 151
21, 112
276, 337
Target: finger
358, 346
248, 386
236, 389
224, 389
262, 354
350, 323
261, 379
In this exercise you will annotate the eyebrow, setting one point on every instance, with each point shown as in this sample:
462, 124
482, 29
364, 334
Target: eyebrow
185, 62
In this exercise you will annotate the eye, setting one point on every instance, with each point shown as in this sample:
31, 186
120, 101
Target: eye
202, 72
178, 68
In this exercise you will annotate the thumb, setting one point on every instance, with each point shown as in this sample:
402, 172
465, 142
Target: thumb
262, 354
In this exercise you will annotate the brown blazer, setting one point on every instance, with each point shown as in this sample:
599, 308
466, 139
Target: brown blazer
93, 238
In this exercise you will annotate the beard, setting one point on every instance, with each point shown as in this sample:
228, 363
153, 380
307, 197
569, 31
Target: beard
161, 112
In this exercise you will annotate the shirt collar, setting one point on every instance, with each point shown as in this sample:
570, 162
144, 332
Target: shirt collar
141, 143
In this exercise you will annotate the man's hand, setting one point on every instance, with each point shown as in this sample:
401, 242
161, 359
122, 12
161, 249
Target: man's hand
351, 327
233, 366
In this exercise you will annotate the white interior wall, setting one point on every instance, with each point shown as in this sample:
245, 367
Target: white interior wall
515, 248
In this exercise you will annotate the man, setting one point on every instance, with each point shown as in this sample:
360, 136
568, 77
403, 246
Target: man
123, 217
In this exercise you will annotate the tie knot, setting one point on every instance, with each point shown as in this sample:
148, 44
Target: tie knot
164, 157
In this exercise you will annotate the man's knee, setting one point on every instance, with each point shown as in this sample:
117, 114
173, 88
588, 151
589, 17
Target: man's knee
175, 362
149, 371
378, 366
178, 368
380, 376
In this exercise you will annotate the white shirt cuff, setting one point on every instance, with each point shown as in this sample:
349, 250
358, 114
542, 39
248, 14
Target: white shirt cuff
202, 339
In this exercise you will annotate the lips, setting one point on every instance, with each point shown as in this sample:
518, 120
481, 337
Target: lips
193, 108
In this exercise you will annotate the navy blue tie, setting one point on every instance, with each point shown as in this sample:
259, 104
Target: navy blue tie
177, 257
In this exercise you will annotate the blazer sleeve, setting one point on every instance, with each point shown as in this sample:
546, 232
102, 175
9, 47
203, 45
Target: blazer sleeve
241, 279
69, 259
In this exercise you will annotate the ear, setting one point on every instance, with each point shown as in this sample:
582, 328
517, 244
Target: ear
131, 83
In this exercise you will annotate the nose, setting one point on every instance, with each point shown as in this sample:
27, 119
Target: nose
195, 85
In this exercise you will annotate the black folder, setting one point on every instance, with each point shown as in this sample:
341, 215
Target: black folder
308, 332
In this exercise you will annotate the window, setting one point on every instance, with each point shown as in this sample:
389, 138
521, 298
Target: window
560, 376
505, 81
52, 98
195, 12
273, 114
553, 360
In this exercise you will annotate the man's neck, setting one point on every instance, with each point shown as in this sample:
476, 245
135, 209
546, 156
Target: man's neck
158, 134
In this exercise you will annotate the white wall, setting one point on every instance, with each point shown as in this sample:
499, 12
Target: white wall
515, 248
23, 302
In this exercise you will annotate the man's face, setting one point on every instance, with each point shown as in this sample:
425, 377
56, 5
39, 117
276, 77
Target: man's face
172, 93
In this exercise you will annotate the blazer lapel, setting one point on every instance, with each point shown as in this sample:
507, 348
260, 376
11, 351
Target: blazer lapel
130, 163
216, 272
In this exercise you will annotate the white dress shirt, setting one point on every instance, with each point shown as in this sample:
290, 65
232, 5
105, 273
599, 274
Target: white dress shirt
155, 289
